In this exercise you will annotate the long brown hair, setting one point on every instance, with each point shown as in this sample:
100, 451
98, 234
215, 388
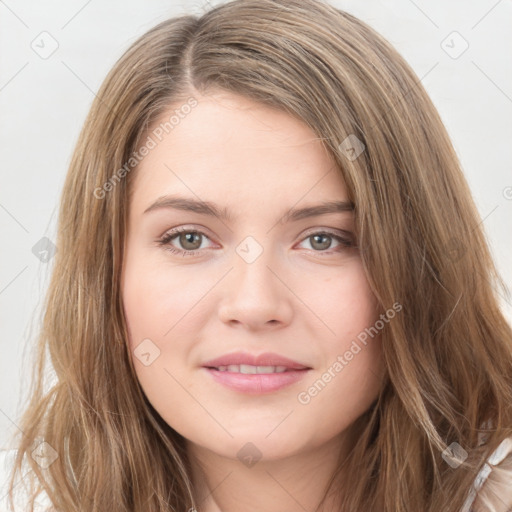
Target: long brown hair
448, 355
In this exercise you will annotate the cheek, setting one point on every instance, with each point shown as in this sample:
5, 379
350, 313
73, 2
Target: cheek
350, 376
156, 298
157, 301
344, 302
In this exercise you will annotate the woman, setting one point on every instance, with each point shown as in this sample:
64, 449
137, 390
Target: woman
332, 342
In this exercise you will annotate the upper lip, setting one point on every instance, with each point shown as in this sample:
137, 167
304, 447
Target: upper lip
266, 359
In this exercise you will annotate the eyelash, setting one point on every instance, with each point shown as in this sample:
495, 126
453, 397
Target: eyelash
170, 235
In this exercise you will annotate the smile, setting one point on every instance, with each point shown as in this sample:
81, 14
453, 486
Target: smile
256, 379
250, 369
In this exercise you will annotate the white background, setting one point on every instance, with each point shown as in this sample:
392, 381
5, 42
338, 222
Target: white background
43, 103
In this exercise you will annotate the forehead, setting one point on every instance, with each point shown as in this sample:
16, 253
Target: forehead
230, 143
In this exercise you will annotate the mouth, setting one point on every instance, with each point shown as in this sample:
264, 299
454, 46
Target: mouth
255, 380
249, 369
245, 372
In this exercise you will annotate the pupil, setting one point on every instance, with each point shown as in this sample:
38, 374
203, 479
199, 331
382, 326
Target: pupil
188, 238
323, 245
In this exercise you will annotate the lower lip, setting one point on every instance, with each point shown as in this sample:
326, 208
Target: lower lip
257, 383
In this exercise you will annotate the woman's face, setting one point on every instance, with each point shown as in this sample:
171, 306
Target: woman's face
264, 276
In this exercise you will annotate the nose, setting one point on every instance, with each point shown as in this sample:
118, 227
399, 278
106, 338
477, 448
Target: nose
256, 294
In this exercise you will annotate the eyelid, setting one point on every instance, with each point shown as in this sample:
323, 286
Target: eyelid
186, 228
329, 231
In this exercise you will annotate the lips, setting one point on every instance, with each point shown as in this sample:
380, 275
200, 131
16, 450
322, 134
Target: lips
255, 374
250, 363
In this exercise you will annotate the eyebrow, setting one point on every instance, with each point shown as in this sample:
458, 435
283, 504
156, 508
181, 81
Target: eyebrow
223, 214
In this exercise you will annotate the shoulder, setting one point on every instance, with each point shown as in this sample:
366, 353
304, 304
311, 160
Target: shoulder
41, 504
492, 488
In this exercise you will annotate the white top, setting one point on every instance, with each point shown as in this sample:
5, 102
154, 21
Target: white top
504, 448
43, 504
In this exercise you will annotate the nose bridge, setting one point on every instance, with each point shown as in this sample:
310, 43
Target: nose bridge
250, 249
254, 294
252, 263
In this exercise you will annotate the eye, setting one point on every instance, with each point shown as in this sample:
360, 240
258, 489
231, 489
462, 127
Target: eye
189, 239
322, 240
